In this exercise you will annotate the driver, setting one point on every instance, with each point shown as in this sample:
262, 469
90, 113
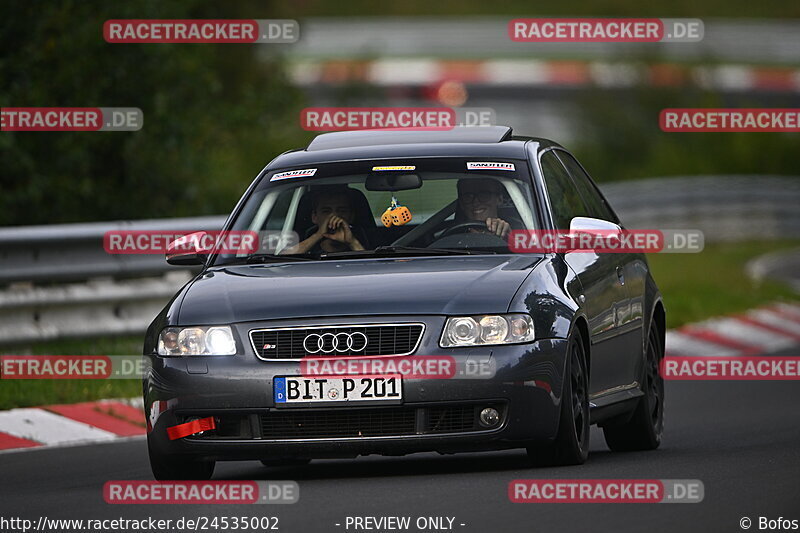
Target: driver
478, 200
332, 212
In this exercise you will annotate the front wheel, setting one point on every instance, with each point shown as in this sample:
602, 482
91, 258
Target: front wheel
644, 429
571, 445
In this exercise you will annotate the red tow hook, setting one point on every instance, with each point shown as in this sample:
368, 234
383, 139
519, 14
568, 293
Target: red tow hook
190, 428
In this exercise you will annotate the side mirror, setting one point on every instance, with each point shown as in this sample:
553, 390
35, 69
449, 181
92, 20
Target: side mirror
190, 249
607, 231
594, 224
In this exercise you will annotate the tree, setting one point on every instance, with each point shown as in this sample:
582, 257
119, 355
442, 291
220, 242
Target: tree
214, 115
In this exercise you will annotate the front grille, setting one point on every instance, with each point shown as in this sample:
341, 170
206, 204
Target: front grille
451, 419
333, 424
288, 343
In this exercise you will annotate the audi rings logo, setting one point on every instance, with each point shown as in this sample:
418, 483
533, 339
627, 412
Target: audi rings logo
335, 342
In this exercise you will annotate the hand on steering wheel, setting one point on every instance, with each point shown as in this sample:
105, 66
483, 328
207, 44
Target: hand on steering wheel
464, 227
492, 226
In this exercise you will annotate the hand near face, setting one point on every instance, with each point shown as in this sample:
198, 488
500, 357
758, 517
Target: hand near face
337, 229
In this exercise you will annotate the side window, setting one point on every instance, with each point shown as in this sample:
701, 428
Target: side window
565, 201
596, 205
277, 215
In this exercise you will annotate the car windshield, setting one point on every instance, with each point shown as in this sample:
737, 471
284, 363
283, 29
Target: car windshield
359, 209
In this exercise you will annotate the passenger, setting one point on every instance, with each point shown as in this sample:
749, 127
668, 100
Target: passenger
332, 213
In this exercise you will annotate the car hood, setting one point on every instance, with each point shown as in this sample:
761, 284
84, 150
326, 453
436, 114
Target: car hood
395, 286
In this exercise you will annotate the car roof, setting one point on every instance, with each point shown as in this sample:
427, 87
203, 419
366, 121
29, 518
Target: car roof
461, 141
344, 139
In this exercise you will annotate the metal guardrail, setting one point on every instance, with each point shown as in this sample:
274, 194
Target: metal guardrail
120, 294
782, 266
725, 208
74, 252
96, 308
738, 41
114, 294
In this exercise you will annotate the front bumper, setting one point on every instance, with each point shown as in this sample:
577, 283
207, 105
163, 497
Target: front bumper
435, 414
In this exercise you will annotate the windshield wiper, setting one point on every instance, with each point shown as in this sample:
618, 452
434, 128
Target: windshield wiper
403, 250
260, 258
263, 258
422, 249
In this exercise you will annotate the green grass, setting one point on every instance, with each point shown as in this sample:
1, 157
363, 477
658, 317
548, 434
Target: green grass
30, 392
695, 286
713, 282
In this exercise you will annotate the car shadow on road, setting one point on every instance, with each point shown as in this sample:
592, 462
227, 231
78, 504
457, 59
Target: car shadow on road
419, 464
375, 466
422, 464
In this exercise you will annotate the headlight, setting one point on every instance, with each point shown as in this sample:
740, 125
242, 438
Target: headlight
487, 330
202, 340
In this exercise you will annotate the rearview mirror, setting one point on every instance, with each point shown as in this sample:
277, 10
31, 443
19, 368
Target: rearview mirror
392, 182
189, 249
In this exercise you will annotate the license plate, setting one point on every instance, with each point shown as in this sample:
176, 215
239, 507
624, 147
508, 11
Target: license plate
295, 389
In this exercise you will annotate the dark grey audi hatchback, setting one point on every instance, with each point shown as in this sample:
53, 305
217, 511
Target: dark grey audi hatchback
380, 308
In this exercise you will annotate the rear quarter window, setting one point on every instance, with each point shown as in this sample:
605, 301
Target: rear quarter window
565, 202
595, 203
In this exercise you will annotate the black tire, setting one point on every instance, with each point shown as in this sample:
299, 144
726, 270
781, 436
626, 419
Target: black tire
285, 462
645, 427
178, 468
571, 445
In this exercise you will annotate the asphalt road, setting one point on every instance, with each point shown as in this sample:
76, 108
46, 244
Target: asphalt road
741, 439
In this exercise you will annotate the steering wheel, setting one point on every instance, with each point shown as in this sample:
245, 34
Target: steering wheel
463, 227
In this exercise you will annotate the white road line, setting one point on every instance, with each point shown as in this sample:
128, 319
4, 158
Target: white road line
403, 71
73, 444
682, 344
745, 333
48, 428
137, 402
772, 318
791, 309
515, 72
